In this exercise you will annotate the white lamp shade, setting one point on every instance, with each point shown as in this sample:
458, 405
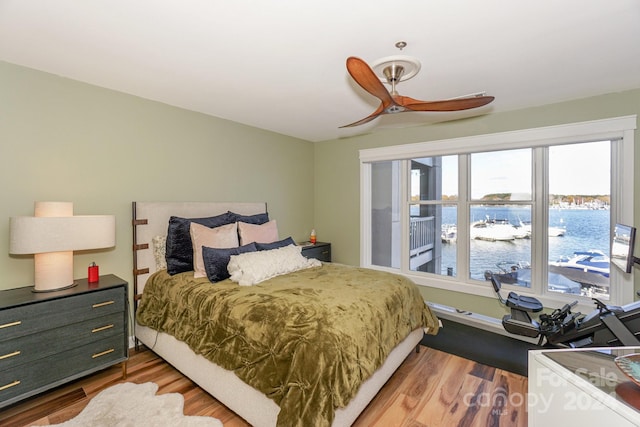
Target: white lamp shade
34, 235
52, 235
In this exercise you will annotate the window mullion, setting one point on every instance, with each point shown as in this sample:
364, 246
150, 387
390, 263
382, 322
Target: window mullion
405, 171
463, 248
366, 191
540, 220
622, 211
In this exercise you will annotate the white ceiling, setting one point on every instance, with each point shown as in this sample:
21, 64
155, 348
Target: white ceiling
280, 65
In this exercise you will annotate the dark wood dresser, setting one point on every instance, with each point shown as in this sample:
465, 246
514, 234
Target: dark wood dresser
47, 339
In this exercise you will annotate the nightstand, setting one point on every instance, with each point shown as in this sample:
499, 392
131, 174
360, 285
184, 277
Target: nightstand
48, 339
320, 251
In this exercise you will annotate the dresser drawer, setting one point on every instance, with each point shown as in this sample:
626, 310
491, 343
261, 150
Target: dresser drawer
37, 346
27, 380
319, 251
36, 317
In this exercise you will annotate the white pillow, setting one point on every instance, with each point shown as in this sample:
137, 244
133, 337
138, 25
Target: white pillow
159, 251
254, 267
263, 233
223, 237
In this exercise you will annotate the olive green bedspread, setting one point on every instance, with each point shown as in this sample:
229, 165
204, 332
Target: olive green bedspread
307, 339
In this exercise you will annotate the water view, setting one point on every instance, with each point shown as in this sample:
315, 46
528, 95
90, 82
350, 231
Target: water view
585, 230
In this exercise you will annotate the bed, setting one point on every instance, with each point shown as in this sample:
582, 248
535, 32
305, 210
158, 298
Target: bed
287, 378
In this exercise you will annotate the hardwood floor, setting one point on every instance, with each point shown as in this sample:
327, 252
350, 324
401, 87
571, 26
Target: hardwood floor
431, 388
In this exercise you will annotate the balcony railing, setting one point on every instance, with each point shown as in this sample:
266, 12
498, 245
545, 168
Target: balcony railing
422, 235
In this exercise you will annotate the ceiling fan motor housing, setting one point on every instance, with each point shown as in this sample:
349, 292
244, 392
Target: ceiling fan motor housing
393, 73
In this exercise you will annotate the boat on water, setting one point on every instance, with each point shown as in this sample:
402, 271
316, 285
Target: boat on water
584, 273
493, 230
587, 267
449, 233
554, 231
519, 273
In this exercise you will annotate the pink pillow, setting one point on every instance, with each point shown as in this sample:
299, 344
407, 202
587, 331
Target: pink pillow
264, 233
223, 237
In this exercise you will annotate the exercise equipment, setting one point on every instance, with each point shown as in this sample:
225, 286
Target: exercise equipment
606, 326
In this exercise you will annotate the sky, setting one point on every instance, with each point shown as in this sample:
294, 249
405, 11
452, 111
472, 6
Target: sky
573, 169
580, 169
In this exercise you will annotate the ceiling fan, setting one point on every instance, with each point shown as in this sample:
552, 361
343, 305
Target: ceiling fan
393, 69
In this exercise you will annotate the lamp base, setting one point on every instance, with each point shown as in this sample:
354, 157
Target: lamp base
39, 291
53, 271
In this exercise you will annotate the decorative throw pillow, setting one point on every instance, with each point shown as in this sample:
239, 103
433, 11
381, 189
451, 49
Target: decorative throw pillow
263, 233
275, 245
216, 260
179, 247
260, 218
159, 244
225, 236
252, 268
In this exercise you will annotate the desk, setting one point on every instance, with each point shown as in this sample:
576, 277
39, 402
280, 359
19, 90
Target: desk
579, 387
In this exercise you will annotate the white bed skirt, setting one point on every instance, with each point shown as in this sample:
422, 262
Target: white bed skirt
249, 403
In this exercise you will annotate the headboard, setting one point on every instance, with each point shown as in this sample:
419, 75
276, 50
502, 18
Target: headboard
151, 219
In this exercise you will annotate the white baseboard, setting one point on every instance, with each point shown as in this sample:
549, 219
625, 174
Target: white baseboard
476, 320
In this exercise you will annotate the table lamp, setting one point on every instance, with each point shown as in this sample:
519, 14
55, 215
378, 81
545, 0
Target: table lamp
52, 234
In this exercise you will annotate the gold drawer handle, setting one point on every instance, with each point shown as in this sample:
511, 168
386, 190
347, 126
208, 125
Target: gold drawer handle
4, 387
102, 304
6, 356
102, 328
95, 356
7, 325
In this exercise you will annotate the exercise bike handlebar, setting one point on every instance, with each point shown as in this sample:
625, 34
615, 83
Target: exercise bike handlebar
562, 312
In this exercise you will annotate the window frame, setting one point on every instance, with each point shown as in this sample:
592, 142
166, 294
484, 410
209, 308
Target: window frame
619, 130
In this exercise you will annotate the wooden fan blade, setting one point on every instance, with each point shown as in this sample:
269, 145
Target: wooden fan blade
367, 79
379, 111
444, 105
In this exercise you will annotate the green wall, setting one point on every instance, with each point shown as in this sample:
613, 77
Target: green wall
337, 173
62, 140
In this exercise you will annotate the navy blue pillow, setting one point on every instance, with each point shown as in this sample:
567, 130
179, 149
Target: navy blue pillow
256, 219
216, 260
275, 245
179, 252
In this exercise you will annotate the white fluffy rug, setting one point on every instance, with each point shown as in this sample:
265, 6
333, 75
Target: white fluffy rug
133, 405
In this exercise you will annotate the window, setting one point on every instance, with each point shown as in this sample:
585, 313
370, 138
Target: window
500, 202
448, 213
579, 218
433, 181
385, 219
